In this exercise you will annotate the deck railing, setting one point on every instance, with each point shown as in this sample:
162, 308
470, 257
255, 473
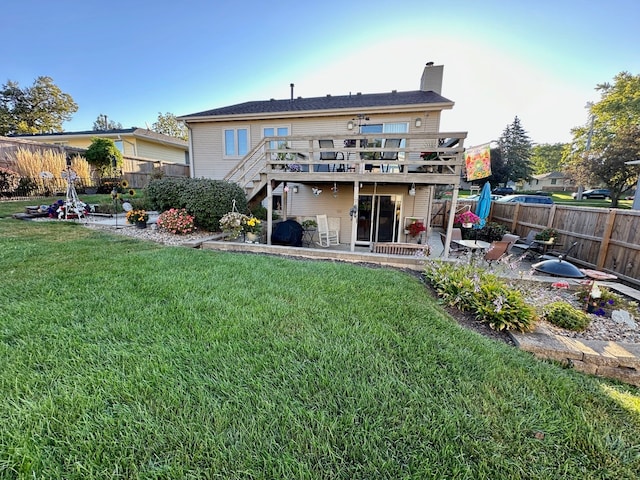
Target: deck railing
424, 158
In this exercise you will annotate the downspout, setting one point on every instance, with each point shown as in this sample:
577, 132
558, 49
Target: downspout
191, 166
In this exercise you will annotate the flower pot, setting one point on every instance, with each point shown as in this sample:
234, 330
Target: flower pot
467, 225
252, 237
141, 224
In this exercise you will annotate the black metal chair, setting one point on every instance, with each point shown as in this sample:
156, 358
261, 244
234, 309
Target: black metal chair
330, 156
390, 156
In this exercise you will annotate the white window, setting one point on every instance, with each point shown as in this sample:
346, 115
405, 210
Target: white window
275, 132
236, 142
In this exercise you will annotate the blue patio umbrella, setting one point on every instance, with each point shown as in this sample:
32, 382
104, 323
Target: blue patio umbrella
484, 205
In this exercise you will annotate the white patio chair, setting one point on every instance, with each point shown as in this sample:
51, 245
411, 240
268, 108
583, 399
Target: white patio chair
326, 237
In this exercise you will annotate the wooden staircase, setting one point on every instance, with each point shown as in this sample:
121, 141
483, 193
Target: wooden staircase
250, 173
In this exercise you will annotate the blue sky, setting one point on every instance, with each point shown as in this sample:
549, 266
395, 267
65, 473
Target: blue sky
131, 60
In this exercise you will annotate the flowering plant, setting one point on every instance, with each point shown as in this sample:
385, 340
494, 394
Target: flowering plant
252, 225
416, 227
134, 216
231, 223
176, 221
466, 217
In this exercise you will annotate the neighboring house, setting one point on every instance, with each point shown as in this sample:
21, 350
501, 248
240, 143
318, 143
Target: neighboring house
132, 142
372, 161
550, 182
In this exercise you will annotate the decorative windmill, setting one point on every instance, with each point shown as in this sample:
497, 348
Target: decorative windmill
72, 205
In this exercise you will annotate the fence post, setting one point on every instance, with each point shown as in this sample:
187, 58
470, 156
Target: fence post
516, 216
606, 237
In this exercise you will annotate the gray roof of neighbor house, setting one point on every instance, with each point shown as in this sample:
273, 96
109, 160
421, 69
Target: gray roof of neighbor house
134, 131
329, 102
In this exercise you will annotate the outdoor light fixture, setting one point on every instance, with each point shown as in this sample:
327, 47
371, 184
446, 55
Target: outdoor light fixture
418, 122
350, 125
334, 190
412, 190
295, 189
316, 191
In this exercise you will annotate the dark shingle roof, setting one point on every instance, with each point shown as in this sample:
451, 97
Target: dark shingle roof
347, 102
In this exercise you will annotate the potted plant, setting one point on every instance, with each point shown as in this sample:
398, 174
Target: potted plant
416, 228
252, 227
547, 234
309, 225
467, 219
138, 217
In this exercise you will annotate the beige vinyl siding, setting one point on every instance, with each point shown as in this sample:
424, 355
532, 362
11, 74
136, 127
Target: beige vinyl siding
304, 204
159, 152
206, 157
208, 138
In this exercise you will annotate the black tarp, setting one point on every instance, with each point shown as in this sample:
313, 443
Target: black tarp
288, 233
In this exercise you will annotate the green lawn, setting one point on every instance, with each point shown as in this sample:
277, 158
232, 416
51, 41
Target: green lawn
124, 359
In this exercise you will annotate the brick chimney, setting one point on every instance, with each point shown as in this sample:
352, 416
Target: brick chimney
432, 78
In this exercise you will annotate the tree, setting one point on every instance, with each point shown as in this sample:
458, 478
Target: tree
103, 123
168, 125
101, 155
547, 158
610, 137
41, 108
608, 164
515, 147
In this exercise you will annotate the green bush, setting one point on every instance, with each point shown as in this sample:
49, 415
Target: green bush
469, 288
566, 316
101, 154
207, 200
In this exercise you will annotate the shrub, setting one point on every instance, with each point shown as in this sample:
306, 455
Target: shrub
469, 288
9, 180
207, 200
566, 316
101, 153
176, 221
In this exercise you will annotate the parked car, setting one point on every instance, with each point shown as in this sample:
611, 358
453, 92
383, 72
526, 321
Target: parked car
526, 199
503, 191
594, 193
477, 197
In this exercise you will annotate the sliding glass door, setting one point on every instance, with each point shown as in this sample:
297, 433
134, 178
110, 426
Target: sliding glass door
378, 218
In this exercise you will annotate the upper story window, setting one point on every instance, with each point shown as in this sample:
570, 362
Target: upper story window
119, 145
236, 142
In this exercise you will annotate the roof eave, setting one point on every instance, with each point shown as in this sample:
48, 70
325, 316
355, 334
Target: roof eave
427, 107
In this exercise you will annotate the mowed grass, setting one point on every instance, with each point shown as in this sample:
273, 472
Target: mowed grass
126, 359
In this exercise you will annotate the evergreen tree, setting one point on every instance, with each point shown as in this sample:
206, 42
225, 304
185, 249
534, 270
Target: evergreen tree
515, 147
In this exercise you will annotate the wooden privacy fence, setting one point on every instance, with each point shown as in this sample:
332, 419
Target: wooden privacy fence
139, 172
608, 239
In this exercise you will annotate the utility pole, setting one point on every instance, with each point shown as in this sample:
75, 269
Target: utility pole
587, 147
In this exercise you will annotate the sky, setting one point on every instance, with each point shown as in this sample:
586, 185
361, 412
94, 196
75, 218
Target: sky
540, 61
